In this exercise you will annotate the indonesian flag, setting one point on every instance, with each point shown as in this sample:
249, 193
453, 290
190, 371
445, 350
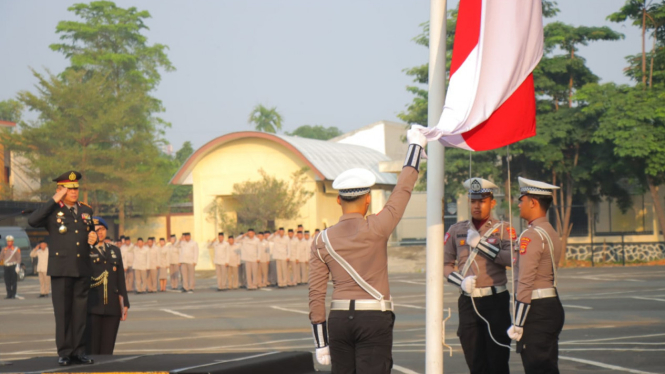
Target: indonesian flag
491, 100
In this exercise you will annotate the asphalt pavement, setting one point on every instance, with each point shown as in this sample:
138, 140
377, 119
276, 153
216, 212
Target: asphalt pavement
615, 322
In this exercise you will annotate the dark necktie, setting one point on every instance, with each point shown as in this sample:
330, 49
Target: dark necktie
73, 211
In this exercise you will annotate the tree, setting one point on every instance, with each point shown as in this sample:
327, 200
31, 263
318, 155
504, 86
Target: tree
259, 203
316, 132
265, 119
182, 194
11, 110
647, 14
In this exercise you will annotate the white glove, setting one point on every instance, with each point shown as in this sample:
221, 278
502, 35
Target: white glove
323, 355
469, 284
472, 238
515, 332
415, 135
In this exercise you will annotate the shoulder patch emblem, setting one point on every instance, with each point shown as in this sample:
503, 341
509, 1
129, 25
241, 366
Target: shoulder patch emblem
523, 244
445, 238
496, 231
513, 234
493, 240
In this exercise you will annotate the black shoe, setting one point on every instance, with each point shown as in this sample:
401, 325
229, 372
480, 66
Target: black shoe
64, 361
83, 359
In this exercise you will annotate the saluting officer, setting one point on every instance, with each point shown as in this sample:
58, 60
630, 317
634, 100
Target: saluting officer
69, 224
355, 252
107, 301
539, 315
481, 280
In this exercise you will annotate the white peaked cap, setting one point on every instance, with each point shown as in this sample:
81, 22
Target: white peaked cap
9, 238
531, 187
479, 186
354, 182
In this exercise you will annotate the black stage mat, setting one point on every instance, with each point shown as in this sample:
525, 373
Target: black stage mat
213, 363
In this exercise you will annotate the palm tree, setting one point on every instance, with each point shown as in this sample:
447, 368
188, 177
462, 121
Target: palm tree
264, 119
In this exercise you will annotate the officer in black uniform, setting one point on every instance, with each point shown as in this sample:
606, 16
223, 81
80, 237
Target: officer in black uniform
70, 228
107, 301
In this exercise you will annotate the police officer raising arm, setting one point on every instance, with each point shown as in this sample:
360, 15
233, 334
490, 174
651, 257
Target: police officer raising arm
69, 224
539, 315
354, 252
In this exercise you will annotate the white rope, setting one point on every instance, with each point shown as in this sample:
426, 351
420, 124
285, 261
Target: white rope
510, 222
489, 329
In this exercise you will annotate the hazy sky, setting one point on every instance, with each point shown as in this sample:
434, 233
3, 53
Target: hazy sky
333, 63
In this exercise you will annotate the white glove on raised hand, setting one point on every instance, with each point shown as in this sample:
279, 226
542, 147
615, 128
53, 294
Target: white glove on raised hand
469, 284
515, 332
415, 135
472, 238
323, 355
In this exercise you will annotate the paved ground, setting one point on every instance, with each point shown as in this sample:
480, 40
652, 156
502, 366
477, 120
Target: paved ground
615, 322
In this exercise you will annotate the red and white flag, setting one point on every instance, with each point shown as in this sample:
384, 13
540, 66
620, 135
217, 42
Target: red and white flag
491, 100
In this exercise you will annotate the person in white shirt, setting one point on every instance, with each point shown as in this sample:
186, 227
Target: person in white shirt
280, 252
303, 252
234, 261
174, 262
264, 259
309, 239
189, 256
249, 254
272, 264
163, 264
41, 253
127, 253
153, 265
293, 276
141, 264
221, 260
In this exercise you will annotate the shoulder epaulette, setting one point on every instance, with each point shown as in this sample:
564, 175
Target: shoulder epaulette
84, 204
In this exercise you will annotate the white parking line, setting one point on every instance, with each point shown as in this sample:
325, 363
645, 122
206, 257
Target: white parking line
605, 366
289, 310
617, 338
577, 307
647, 298
176, 313
404, 370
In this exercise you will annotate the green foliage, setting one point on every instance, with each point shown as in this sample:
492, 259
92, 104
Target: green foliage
265, 119
109, 39
259, 203
11, 110
182, 194
316, 132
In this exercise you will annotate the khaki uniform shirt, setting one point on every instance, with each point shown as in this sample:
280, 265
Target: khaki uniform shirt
303, 250
488, 273
220, 252
534, 263
363, 243
127, 252
189, 252
42, 259
141, 258
280, 250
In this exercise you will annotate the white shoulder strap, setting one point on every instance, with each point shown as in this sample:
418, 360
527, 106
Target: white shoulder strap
349, 269
544, 233
474, 251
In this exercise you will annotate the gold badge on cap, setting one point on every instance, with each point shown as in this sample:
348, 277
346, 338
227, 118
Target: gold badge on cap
72, 176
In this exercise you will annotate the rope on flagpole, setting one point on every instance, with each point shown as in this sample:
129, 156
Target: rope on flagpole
510, 222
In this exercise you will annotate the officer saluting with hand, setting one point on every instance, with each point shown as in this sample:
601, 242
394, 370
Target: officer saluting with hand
69, 224
107, 302
539, 315
354, 251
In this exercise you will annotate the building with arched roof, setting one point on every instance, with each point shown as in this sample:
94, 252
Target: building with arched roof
237, 157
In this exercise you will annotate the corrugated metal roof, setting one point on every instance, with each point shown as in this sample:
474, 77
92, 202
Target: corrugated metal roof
331, 159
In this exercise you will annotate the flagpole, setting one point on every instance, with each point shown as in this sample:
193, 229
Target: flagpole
435, 167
